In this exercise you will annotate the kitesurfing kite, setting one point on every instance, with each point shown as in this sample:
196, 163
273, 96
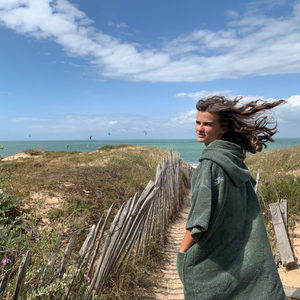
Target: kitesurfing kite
90, 137
145, 132
109, 133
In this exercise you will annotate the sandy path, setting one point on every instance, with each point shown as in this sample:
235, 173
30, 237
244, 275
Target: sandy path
171, 286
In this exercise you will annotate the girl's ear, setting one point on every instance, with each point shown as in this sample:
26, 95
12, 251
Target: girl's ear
224, 129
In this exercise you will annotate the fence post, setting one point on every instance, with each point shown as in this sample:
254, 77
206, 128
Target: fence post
4, 283
21, 276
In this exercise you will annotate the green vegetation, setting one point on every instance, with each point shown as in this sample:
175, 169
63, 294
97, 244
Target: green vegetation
111, 147
47, 196
279, 179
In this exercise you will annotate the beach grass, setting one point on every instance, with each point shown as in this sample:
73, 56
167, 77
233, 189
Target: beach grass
48, 195
279, 179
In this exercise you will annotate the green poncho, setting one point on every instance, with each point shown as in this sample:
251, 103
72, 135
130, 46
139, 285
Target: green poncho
231, 258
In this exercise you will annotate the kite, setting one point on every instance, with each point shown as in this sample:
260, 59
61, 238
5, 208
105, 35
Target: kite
145, 132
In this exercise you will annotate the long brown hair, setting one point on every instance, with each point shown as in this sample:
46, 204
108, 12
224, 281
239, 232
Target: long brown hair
247, 126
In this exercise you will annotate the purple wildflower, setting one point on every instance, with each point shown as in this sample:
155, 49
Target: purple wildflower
23, 254
88, 279
37, 239
63, 241
59, 232
5, 261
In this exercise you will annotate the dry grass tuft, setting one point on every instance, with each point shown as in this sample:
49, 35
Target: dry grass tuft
33, 152
279, 179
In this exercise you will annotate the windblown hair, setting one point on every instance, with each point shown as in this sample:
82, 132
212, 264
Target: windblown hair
247, 126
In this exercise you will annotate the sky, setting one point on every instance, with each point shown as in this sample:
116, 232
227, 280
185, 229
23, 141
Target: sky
114, 69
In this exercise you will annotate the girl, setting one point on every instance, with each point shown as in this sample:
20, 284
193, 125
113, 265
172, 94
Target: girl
225, 252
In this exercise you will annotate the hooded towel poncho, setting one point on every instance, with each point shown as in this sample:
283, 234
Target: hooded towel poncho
231, 258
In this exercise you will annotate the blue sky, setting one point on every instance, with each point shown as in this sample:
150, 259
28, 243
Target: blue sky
71, 69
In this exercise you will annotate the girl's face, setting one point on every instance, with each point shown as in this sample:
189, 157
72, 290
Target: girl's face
208, 128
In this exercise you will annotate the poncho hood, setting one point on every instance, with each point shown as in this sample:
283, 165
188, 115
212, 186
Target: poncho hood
229, 157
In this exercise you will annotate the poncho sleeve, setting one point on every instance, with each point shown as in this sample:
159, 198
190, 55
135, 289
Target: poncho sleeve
201, 202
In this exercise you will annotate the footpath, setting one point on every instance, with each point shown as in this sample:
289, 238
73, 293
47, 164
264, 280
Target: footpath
171, 286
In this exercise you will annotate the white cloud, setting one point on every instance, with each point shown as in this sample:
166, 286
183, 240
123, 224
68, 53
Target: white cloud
112, 122
122, 25
184, 118
252, 44
232, 14
294, 101
201, 94
74, 65
110, 23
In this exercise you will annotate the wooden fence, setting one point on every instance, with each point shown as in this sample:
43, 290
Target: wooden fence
137, 221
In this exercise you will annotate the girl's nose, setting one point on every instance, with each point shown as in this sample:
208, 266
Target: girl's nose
199, 127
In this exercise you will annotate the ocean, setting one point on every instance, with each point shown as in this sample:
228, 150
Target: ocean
189, 149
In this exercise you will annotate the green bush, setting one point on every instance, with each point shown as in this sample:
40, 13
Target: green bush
111, 147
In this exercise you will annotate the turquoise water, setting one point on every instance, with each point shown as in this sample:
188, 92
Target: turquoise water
190, 150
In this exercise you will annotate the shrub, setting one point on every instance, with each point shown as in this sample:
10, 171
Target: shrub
111, 147
34, 152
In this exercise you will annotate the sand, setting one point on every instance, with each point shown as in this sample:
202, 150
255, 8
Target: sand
17, 156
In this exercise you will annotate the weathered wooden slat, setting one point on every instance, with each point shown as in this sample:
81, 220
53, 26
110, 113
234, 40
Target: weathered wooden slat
148, 189
87, 241
133, 236
283, 208
257, 180
99, 240
132, 205
88, 255
3, 284
139, 237
153, 217
147, 227
158, 174
82, 255
135, 227
283, 243
162, 213
144, 211
67, 254
97, 276
135, 215
110, 257
21, 276
156, 216
292, 293
120, 245
51, 260
95, 281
